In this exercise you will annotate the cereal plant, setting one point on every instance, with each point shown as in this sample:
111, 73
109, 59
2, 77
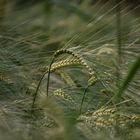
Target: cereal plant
69, 70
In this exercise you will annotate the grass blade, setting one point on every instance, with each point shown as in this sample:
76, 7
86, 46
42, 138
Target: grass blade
129, 78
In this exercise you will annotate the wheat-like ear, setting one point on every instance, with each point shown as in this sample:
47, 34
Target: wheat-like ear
104, 111
62, 94
77, 56
75, 62
64, 63
92, 80
64, 51
68, 62
108, 118
67, 78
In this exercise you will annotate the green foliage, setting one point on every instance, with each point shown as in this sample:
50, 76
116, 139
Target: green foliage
130, 76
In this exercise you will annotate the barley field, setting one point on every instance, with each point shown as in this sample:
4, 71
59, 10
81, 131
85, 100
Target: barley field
70, 70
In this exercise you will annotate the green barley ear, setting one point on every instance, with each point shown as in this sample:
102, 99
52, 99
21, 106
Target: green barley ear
63, 95
64, 51
67, 78
64, 63
108, 119
77, 59
104, 111
92, 80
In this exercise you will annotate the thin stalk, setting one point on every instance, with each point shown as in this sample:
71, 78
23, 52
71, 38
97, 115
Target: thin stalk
48, 79
119, 39
36, 92
49, 73
84, 95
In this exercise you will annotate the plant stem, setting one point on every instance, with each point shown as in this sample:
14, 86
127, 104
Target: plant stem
119, 39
